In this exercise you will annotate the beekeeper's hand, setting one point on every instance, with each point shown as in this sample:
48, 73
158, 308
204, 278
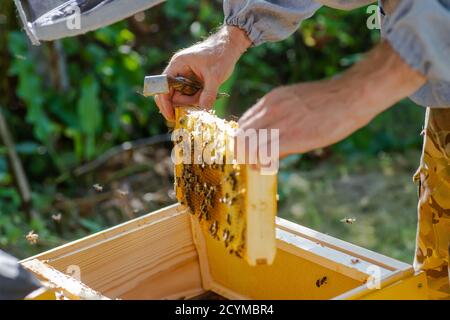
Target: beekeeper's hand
211, 62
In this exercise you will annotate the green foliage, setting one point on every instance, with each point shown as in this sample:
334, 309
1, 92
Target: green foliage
89, 117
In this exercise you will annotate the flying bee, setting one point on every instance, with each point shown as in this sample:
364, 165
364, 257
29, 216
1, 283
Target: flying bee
348, 220
97, 187
57, 217
32, 237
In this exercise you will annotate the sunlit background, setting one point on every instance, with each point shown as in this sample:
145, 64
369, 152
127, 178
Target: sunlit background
72, 104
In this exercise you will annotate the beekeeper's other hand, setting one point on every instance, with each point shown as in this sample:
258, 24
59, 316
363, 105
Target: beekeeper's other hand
211, 62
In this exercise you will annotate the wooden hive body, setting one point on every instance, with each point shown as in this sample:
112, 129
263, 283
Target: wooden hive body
164, 255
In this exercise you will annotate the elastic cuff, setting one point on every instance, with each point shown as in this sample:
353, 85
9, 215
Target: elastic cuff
248, 26
410, 48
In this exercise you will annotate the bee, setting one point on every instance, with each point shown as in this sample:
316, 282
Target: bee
213, 229
233, 180
229, 218
229, 240
320, 282
232, 201
32, 237
97, 187
204, 213
210, 193
57, 217
122, 193
225, 237
207, 202
192, 179
348, 220
225, 199
222, 166
354, 261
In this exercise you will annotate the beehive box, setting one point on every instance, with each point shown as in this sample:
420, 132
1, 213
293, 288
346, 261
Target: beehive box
164, 255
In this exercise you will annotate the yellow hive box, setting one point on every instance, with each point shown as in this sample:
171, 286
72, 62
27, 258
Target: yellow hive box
164, 255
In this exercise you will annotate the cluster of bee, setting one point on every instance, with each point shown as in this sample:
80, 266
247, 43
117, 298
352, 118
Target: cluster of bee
213, 192
204, 200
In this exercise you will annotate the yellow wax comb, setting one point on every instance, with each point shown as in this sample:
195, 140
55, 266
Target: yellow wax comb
234, 203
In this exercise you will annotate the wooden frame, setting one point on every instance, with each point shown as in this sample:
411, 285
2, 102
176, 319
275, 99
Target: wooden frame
164, 255
259, 204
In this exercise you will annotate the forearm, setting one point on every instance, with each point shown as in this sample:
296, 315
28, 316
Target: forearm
314, 115
338, 107
378, 82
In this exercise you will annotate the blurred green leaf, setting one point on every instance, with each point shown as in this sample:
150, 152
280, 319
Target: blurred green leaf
89, 114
